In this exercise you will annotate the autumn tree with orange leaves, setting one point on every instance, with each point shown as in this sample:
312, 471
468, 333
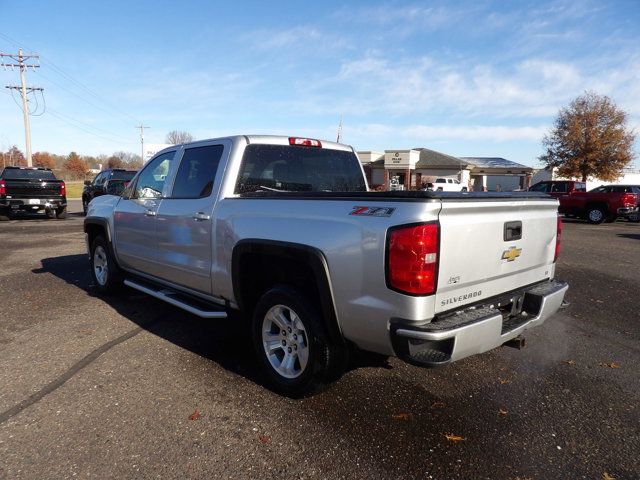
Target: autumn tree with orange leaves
590, 138
43, 159
76, 166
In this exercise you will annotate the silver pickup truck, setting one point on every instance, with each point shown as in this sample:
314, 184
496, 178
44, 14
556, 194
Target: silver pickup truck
285, 231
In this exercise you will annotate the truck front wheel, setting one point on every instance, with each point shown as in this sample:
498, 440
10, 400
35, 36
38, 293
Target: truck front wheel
106, 274
290, 342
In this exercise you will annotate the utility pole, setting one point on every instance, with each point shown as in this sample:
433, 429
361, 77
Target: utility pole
24, 90
142, 127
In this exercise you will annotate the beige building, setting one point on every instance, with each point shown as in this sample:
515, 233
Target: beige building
414, 167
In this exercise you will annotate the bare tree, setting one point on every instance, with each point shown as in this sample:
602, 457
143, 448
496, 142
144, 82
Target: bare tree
177, 137
590, 138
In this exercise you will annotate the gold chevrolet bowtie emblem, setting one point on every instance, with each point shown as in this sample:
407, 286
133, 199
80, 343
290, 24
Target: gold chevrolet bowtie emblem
511, 254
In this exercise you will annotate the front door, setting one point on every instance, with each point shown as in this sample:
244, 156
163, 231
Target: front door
134, 217
184, 223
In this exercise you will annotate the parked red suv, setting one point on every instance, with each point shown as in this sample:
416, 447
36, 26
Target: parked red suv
558, 188
603, 204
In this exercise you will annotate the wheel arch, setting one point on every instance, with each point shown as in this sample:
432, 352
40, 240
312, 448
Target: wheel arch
259, 264
94, 226
602, 205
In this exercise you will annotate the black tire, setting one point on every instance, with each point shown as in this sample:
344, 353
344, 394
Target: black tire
596, 215
50, 213
464, 189
85, 207
634, 217
321, 364
102, 256
4, 216
61, 213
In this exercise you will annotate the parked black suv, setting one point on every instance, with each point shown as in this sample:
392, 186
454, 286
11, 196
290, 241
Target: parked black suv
108, 181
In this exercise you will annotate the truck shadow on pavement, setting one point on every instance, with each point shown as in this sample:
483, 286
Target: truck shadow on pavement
226, 342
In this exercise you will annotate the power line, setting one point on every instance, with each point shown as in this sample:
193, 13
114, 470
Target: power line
79, 127
88, 91
87, 125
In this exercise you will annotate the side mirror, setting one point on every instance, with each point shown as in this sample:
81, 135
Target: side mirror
115, 187
87, 182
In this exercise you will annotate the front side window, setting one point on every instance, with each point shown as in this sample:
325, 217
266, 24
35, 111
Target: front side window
99, 180
197, 172
283, 168
151, 180
559, 187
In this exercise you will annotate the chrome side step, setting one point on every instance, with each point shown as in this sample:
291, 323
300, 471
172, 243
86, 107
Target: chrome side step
178, 300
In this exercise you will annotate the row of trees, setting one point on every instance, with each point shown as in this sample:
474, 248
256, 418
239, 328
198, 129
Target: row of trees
72, 166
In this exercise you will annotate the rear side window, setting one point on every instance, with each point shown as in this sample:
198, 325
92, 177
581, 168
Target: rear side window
283, 168
151, 180
601, 190
540, 187
197, 172
559, 187
122, 175
580, 187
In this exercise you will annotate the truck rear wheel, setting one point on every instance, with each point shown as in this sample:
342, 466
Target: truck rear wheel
596, 215
106, 274
61, 213
290, 342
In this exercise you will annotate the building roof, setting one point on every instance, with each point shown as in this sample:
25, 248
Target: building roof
495, 162
430, 159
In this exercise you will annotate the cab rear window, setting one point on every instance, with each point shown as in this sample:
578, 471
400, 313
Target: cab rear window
27, 174
283, 168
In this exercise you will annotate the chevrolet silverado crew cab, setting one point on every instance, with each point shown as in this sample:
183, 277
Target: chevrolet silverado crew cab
284, 231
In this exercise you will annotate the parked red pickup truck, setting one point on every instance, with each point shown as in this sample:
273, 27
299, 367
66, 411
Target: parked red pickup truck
558, 188
603, 204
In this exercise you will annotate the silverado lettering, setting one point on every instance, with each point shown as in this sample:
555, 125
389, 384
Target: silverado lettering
461, 298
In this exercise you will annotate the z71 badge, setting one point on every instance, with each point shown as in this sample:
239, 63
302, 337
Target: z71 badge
372, 211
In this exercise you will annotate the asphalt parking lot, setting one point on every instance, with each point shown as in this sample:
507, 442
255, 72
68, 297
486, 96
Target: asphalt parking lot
129, 387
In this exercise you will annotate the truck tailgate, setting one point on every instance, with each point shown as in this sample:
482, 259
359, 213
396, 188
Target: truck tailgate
33, 188
481, 255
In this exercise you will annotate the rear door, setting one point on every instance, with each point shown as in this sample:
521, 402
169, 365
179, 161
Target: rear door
488, 247
184, 222
135, 216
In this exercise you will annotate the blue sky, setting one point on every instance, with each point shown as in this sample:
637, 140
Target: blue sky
467, 78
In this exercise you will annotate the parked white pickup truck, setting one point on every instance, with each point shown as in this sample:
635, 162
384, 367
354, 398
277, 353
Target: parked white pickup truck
284, 230
445, 185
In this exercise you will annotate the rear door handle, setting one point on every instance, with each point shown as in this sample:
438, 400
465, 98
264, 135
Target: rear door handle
199, 216
150, 213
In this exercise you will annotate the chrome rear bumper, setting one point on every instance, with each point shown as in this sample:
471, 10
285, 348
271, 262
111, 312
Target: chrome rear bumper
473, 331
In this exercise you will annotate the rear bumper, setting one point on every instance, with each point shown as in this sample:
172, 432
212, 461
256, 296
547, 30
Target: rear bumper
31, 204
628, 210
473, 331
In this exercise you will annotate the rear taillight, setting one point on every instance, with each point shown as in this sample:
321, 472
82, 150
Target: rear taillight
304, 142
558, 238
3, 188
412, 258
63, 189
629, 199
